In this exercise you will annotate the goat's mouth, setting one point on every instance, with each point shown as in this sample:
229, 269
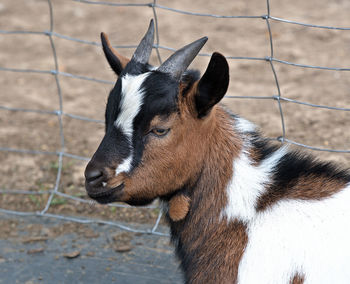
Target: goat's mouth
105, 195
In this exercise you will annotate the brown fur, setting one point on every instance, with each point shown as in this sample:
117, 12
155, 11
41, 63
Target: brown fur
113, 180
305, 188
216, 254
254, 155
179, 206
297, 279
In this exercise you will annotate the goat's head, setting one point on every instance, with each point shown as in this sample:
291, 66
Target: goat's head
157, 123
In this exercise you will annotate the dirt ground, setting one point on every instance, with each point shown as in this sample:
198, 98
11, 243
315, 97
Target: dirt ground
45, 250
125, 26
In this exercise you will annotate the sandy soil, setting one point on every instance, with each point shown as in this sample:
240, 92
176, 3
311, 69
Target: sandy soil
125, 25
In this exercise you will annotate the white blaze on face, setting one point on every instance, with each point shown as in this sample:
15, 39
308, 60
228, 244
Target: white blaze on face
130, 105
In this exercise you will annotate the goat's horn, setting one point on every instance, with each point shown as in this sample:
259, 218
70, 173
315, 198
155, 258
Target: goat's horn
177, 63
144, 49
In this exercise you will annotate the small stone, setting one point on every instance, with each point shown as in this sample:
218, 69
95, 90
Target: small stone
34, 239
34, 251
123, 248
72, 254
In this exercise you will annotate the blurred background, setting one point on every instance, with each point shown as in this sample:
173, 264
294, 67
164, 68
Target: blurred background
58, 99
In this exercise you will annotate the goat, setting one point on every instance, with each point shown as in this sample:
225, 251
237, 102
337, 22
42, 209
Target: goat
240, 208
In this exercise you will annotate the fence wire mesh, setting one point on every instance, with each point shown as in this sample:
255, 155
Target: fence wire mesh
51, 34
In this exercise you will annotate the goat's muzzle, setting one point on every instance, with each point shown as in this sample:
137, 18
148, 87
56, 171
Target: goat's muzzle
96, 180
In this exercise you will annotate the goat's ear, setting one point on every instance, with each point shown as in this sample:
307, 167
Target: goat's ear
213, 85
115, 60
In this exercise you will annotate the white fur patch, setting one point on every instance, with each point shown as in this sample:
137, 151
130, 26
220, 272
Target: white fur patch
248, 182
244, 126
131, 102
125, 166
130, 105
308, 237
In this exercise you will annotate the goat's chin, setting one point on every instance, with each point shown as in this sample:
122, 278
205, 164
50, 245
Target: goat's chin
139, 202
105, 199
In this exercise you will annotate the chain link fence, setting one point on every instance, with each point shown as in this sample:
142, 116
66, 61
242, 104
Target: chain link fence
51, 34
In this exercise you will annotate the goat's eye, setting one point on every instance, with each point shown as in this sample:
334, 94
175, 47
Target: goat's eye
160, 131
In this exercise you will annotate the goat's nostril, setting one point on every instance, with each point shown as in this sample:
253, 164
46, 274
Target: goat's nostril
93, 175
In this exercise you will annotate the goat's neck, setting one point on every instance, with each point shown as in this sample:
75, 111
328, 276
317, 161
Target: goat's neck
208, 195
204, 221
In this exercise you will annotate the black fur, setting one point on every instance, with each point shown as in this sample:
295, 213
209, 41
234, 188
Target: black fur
113, 148
188, 79
294, 165
213, 85
263, 148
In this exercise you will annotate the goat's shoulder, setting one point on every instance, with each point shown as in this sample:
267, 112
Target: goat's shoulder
301, 176
278, 172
